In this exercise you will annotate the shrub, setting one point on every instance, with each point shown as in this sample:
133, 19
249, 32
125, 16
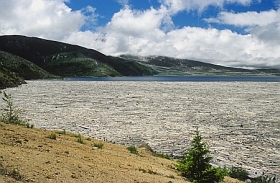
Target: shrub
152, 172
15, 174
238, 173
149, 171
195, 165
132, 149
52, 136
264, 179
98, 145
171, 176
154, 153
29, 125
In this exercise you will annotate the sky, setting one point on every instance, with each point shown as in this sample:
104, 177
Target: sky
235, 33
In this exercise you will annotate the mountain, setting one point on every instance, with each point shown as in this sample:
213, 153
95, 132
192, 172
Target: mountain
34, 58
172, 66
68, 60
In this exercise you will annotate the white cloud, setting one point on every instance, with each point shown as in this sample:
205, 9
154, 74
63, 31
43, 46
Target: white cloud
149, 32
264, 25
210, 45
133, 32
42, 18
90, 17
200, 5
247, 18
269, 33
134, 22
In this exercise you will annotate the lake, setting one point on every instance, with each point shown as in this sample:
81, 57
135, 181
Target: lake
239, 120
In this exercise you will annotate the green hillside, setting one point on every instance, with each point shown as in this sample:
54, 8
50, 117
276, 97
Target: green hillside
69, 60
13, 70
71, 64
22, 67
9, 78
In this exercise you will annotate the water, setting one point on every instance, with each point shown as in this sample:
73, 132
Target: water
238, 120
182, 78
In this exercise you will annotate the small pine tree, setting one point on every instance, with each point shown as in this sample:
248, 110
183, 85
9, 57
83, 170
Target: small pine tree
195, 165
10, 114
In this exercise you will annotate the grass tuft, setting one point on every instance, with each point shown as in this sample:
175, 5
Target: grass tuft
80, 139
52, 136
132, 149
98, 145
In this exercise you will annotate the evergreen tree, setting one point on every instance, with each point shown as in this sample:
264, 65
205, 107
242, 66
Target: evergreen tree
195, 165
10, 114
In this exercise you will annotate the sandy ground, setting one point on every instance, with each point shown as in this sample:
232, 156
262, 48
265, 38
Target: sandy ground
28, 155
240, 121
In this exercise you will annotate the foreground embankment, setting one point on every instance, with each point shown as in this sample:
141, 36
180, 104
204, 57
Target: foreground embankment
240, 121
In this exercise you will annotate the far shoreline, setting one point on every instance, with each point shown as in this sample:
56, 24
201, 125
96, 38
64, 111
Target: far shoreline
174, 78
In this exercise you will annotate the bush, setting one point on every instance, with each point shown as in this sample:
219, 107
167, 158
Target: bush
52, 136
238, 173
171, 176
195, 165
264, 179
29, 125
132, 149
15, 174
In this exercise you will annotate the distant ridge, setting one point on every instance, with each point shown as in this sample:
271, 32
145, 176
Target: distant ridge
173, 66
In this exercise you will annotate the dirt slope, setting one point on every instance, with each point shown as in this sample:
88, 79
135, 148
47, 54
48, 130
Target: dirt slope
28, 155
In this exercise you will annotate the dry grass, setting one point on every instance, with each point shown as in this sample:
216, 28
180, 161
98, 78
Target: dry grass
37, 158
